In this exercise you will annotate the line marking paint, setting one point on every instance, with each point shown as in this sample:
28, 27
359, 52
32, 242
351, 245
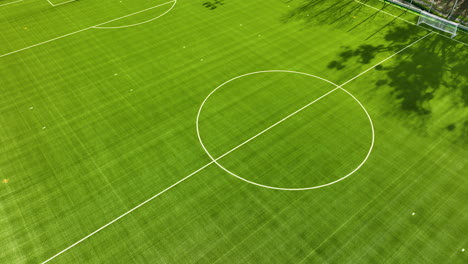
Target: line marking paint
59, 4
126, 213
12, 2
137, 24
81, 30
279, 122
212, 162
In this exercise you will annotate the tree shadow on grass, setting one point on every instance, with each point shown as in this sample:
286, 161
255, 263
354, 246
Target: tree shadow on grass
364, 55
426, 86
323, 12
342, 14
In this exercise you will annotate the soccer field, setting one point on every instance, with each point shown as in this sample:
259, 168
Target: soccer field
230, 131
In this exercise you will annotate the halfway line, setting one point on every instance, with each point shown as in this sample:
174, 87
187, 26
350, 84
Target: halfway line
208, 164
188, 176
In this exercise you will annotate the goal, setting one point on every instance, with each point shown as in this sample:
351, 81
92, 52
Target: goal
438, 22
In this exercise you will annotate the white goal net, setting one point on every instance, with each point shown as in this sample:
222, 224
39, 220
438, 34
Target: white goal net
439, 23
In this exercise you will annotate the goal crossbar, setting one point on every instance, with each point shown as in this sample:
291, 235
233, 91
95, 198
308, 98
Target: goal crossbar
438, 22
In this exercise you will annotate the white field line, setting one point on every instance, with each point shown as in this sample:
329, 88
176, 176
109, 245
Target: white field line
52, 4
81, 30
185, 178
356, 213
144, 22
210, 163
12, 2
398, 52
44, 42
407, 21
275, 124
277, 187
337, 87
387, 13
128, 212
364, 207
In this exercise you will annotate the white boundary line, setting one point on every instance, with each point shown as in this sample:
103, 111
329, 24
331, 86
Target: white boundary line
81, 30
198, 170
407, 21
13, 2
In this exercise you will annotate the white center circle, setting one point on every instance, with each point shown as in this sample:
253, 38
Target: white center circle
216, 159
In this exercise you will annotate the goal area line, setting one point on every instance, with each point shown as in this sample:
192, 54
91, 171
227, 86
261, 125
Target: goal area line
61, 3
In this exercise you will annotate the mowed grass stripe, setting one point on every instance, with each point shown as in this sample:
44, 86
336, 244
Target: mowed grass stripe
189, 81
193, 173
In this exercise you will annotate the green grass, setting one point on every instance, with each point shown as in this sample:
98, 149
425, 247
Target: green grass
95, 123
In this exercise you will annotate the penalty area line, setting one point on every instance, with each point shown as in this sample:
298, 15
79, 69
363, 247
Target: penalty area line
81, 30
214, 161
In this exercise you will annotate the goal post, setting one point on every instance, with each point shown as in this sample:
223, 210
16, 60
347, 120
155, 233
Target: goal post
439, 23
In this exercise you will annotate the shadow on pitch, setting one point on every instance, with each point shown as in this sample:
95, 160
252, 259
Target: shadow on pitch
428, 85
323, 12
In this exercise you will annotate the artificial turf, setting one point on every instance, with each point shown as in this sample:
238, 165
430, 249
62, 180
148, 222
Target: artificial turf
95, 122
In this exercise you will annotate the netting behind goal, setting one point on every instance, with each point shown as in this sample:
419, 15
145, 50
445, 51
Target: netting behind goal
439, 23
